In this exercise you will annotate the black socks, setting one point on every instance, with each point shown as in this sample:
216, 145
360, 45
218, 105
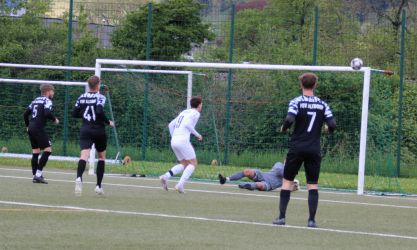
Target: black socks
313, 202
284, 198
100, 172
43, 160
81, 168
34, 163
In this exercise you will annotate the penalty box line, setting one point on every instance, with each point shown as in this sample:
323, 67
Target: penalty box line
171, 216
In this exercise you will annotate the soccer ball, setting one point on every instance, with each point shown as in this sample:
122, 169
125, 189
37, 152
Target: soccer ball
356, 63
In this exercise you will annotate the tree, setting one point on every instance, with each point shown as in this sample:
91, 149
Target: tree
26, 39
176, 26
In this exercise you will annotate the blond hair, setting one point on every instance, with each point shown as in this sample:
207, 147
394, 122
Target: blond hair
45, 88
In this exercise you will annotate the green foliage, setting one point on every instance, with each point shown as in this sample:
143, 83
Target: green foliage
28, 40
176, 26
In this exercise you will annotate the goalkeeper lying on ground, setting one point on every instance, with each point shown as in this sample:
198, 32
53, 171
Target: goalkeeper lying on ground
262, 181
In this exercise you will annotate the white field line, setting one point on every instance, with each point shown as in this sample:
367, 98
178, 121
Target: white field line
206, 219
215, 184
226, 193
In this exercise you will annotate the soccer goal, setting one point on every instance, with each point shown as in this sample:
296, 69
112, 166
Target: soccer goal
18, 93
248, 107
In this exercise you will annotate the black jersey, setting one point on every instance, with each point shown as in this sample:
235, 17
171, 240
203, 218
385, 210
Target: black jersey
38, 112
310, 112
90, 107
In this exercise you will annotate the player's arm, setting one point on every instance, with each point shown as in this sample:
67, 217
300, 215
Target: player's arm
76, 111
329, 120
26, 115
189, 124
101, 115
49, 114
171, 126
330, 125
290, 118
100, 111
288, 121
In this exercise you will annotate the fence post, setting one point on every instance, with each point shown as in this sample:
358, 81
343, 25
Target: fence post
67, 78
400, 99
315, 34
229, 86
144, 143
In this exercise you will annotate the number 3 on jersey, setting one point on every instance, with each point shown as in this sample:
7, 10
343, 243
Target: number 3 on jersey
89, 113
313, 117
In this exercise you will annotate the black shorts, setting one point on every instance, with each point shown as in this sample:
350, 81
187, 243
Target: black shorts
311, 162
96, 136
39, 139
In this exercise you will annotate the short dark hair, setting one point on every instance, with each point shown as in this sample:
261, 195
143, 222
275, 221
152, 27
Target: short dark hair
45, 88
93, 81
308, 80
195, 101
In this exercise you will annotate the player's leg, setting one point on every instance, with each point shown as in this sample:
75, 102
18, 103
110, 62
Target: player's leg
47, 151
292, 165
35, 160
101, 145
178, 168
312, 171
189, 154
44, 144
35, 152
85, 145
100, 171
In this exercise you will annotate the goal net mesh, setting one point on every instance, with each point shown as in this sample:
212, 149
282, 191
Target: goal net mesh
240, 132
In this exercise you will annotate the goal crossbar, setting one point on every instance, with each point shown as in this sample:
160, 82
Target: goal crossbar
187, 73
29, 81
366, 71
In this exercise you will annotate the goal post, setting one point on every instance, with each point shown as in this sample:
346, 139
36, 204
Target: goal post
188, 74
366, 71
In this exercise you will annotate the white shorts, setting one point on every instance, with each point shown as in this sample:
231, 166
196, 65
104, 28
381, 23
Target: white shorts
182, 149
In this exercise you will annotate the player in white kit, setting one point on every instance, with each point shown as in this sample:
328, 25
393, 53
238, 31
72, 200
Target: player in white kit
180, 129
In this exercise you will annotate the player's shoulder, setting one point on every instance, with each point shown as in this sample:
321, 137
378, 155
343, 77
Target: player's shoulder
319, 100
183, 112
47, 102
297, 99
83, 95
43, 100
101, 99
189, 112
278, 165
195, 113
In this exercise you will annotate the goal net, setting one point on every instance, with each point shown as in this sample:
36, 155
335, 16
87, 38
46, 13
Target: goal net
243, 107
17, 93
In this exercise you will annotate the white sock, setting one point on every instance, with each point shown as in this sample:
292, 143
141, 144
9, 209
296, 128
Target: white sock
187, 174
78, 179
38, 173
175, 170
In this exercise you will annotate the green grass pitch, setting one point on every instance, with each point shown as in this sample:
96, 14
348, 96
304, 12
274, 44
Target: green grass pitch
135, 213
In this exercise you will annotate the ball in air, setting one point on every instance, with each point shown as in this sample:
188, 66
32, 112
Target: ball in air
356, 63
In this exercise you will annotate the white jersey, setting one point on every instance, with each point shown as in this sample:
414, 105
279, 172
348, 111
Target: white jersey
184, 124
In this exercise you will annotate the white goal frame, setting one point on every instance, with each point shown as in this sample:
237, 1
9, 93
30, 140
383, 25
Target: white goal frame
92, 160
365, 93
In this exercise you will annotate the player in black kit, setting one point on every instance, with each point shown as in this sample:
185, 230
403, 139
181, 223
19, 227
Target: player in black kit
90, 107
308, 113
35, 118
